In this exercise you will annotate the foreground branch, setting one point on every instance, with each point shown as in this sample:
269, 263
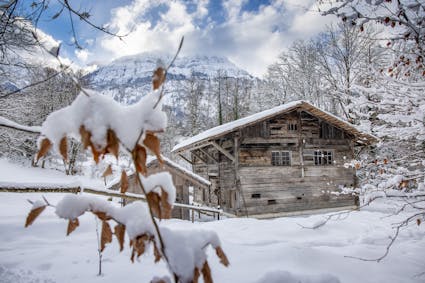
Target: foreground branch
4, 122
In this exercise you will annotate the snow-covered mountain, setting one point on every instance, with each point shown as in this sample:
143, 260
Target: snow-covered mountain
128, 78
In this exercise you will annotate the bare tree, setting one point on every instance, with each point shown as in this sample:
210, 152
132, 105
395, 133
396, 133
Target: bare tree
404, 22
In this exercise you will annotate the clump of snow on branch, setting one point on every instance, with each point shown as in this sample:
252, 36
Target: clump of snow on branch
134, 215
158, 181
190, 245
98, 113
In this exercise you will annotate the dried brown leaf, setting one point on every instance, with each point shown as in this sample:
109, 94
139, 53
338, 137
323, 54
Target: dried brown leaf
158, 78
139, 245
63, 148
153, 144
206, 273
418, 221
154, 203
133, 252
112, 143
33, 214
95, 153
119, 231
106, 236
196, 275
139, 155
44, 148
156, 253
222, 256
108, 171
165, 205
85, 137
102, 215
72, 225
124, 182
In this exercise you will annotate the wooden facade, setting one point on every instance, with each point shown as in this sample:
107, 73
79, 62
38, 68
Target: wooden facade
280, 161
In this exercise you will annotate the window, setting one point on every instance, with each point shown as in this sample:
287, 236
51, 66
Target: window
271, 201
292, 126
329, 132
281, 158
323, 157
256, 196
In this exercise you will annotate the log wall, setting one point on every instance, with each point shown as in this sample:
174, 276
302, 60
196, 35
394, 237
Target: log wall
264, 188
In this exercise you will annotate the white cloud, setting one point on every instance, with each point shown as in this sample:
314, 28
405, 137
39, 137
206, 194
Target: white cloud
251, 39
82, 54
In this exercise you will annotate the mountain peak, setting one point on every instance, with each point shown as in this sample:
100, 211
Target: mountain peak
136, 70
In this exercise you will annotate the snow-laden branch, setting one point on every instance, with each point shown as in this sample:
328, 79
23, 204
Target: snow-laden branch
4, 122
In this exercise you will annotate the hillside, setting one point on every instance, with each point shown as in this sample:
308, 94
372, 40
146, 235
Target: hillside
128, 78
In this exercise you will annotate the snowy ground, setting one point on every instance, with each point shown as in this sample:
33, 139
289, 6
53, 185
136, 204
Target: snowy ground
277, 250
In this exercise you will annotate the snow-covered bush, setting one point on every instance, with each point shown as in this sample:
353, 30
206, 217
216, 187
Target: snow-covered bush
104, 125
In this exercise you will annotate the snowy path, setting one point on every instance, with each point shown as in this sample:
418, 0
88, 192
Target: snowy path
42, 253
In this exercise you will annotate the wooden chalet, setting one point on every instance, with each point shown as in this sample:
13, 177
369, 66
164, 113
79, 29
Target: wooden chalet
285, 160
182, 179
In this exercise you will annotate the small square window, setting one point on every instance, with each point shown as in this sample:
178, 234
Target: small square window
292, 126
323, 157
256, 196
281, 158
271, 201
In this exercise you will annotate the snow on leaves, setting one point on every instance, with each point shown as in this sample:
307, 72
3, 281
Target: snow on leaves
104, 125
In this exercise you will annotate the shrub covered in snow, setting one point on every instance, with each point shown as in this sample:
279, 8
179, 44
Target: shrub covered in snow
103, 125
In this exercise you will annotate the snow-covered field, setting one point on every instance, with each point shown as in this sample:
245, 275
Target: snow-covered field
277, 250
42, 252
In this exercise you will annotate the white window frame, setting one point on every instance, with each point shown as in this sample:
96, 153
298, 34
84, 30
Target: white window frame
280, 158
292, 126
323, 157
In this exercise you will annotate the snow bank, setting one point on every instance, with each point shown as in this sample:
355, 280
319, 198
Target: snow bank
17, 176
281, 276
255, 248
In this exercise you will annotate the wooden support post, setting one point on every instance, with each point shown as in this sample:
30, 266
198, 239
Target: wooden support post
237, 177
193, 215
301, 144
222, 150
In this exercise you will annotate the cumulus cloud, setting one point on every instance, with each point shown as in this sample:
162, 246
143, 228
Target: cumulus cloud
82, 54
251, 38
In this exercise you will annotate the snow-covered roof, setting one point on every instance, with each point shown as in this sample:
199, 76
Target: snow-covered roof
360, 137
152, 160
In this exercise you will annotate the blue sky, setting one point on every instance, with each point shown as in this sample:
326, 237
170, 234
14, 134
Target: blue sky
250, 33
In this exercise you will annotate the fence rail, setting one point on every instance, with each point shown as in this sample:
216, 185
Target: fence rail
111, 193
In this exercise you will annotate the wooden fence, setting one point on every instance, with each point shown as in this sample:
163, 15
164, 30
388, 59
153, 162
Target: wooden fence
215, 213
